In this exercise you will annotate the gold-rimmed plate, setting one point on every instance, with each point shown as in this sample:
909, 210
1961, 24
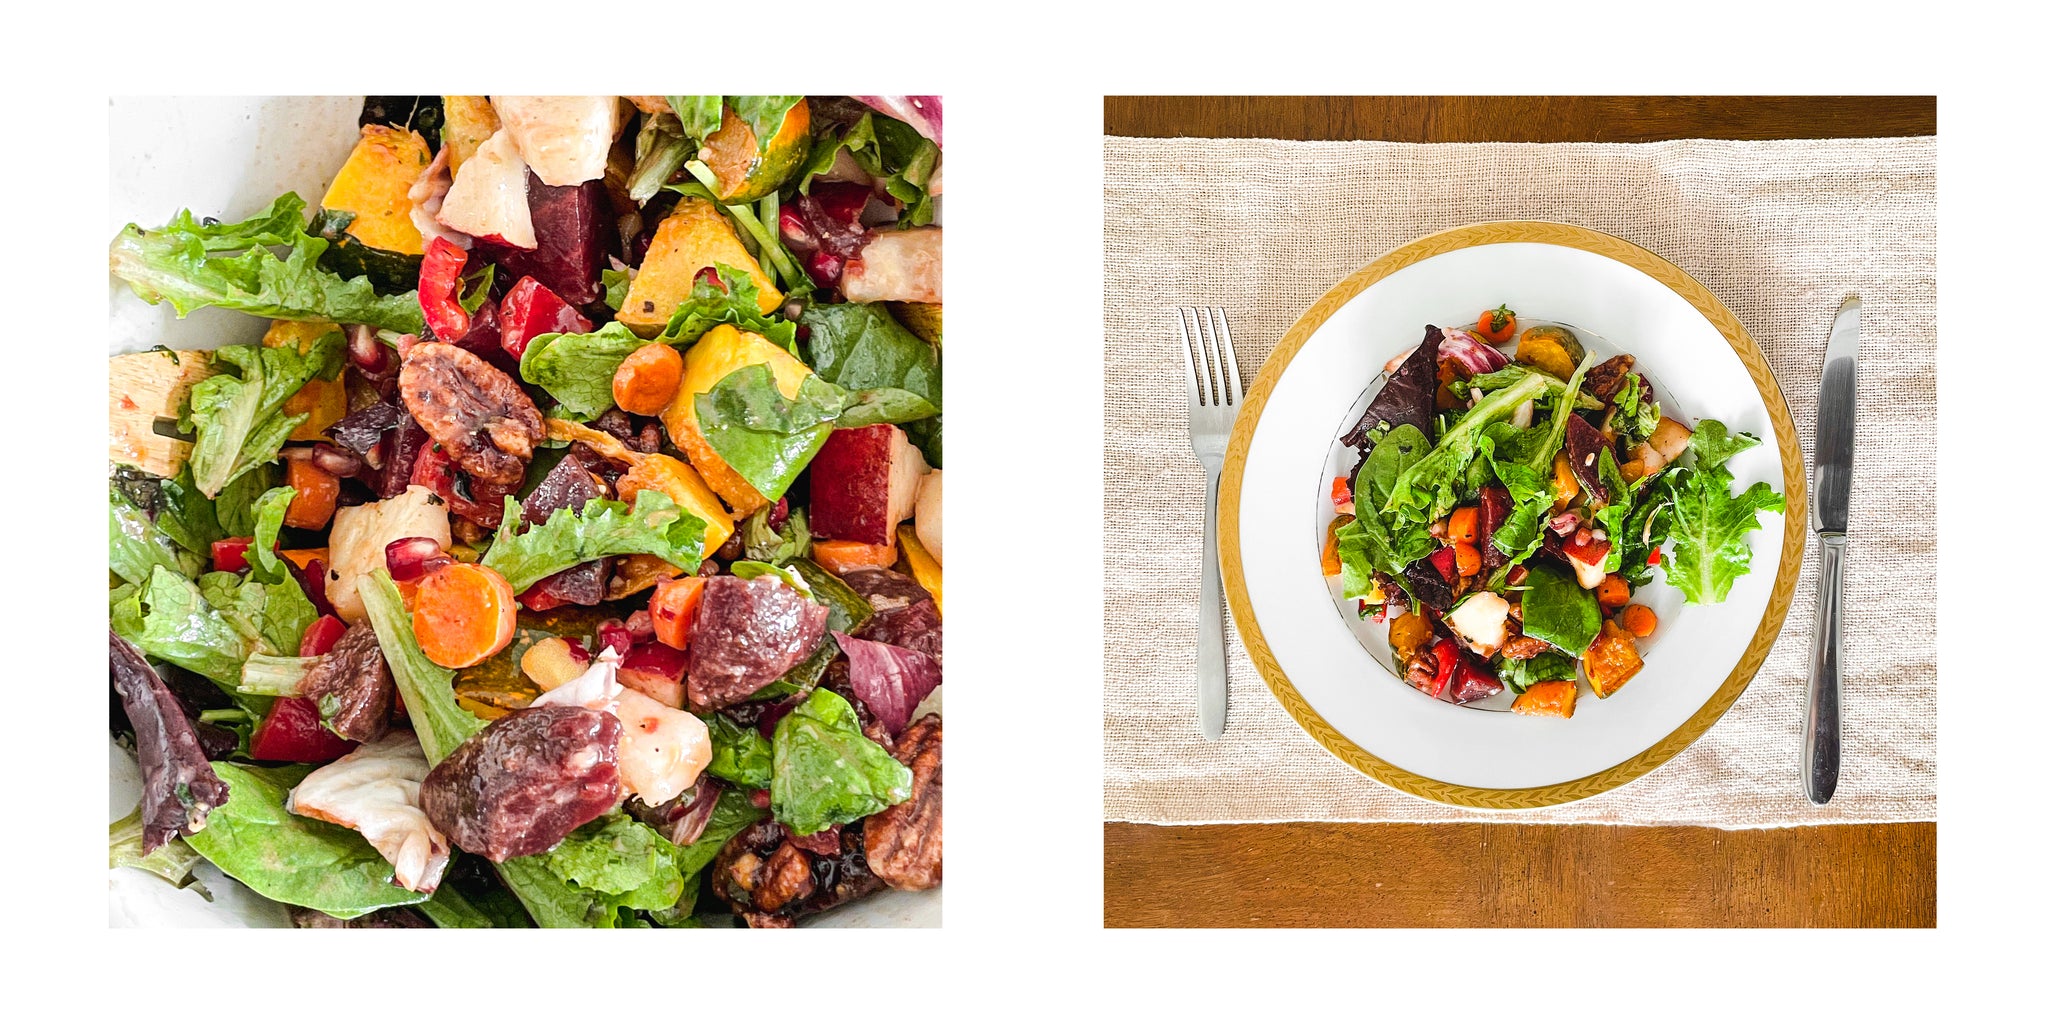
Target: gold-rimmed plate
1275, 493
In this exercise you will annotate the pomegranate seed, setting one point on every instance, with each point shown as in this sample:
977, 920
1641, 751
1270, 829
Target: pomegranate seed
826, 267
779, 514
410, 558
760, 798
369, 354
796, 232
232, 554
613, 634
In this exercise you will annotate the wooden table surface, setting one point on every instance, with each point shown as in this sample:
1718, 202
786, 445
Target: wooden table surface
1488, 875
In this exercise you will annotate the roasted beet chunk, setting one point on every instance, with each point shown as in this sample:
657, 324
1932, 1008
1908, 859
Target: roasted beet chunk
915, 627
886, 589
353, 687
904, 842
1583, 444
526, 781
570, 223
748, 633
1494, 507
178, 785
568, 486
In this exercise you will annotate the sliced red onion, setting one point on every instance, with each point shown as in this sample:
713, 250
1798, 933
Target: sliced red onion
919, 112
409, 558
1564, 523
1471, 353
337, 461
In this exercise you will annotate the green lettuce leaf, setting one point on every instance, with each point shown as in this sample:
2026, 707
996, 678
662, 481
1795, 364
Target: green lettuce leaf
272, 617
291, 859
187, 517
699, 115
428, 689
764, 543
1549, 666
734, 811
825, 772
1634, 418
173, 861
235, 508
735, 300
194, 263
168, 619
1429, 488
768, 439
264, 565
1709, 527
136, 546
655, 525
235, 415
1647, 528
891, 152
1712, 445
623, 859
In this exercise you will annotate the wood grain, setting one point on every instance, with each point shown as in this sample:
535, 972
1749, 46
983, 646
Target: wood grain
1518, 118
1482, 875
1534, 876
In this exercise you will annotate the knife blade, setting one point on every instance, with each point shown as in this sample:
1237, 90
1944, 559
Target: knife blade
1833, 459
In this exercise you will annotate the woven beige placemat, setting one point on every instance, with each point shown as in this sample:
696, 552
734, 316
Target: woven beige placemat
1780, 231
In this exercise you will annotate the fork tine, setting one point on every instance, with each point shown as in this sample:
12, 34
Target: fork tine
1233, 390
1187, 352
1213, 372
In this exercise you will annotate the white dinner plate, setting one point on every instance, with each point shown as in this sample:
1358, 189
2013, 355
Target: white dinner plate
228, 157
1333, 674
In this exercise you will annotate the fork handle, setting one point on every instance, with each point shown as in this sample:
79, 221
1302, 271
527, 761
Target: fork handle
1212, 689
1823, 754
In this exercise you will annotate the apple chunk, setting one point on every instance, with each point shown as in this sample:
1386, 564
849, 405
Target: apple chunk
488, 198
656, 670
863, 482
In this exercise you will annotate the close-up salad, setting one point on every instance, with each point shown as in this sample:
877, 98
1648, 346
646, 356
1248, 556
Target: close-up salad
1514, 492
568, 552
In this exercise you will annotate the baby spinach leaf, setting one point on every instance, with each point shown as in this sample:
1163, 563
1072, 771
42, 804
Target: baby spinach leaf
763, 115
734, 811
768, 439
825, 772
739, 754
1557, 611
655, 525
700, 115
291, 859
861, 346
1546, 667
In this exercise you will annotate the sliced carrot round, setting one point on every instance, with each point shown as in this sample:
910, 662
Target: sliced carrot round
647, 381
1637, 619
463, 614
674, 609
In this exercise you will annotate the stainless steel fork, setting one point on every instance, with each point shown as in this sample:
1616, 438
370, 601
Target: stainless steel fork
1213, 397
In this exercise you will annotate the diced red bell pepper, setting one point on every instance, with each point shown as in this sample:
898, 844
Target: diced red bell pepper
441, 290
1446, 561
436, 472
531, 310
1656, 556
1446, 654
292, 732
321, 636
312, 579
232, 554
1584, 548
1340, 495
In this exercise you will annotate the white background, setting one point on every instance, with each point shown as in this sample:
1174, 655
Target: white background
1023, 84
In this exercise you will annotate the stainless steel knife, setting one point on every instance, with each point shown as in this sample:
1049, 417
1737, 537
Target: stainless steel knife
1833, 448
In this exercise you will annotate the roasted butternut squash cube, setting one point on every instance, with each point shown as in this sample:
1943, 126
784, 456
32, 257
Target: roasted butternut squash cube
715, 356
693, 236
466, 122
1612, 659
373, 185
923, 567
1554, 699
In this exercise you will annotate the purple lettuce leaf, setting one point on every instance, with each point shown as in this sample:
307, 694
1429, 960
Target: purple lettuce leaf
890, 680
1408, 397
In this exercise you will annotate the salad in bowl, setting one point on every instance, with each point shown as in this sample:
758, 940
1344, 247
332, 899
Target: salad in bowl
1517, 484
568, 552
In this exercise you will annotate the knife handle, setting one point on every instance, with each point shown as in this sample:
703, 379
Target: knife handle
1823, 758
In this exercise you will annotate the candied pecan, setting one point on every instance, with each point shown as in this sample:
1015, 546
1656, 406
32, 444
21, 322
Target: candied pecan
757, 868
1604, 380
784, 880
1422, 669
474, 410
526, 781
905, 842
353, 686
1522, 648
